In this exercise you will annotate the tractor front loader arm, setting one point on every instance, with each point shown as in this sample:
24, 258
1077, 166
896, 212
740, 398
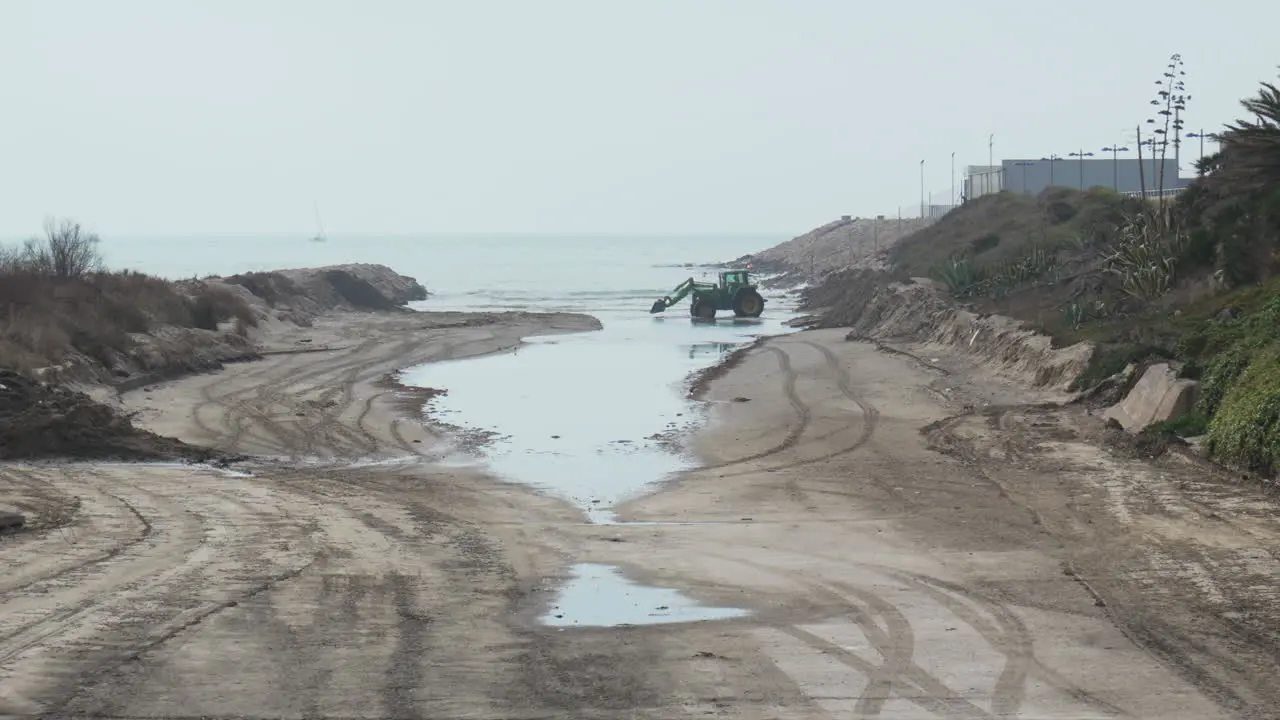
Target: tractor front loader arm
676, 296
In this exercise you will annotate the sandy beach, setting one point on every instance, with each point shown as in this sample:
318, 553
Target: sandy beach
344, 572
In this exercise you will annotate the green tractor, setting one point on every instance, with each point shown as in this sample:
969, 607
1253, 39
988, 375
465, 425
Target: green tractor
735, 292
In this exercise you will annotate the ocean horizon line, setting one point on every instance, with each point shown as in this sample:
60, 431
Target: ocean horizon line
250, 235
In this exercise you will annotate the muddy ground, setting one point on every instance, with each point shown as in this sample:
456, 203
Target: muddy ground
902, 556
40, 420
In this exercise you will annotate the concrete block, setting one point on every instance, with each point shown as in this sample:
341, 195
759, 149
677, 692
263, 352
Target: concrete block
1159, 395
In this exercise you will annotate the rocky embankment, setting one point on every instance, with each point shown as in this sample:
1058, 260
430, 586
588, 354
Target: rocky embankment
875, 306
58, 409
852, 243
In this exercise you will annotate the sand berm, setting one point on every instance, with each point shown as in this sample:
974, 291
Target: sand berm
915, 530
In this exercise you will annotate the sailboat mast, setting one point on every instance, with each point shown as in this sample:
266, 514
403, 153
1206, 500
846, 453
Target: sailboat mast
319, 224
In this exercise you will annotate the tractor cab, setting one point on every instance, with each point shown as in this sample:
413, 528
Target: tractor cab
731, 280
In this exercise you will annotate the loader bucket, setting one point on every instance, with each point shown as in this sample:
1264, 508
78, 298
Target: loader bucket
658, 306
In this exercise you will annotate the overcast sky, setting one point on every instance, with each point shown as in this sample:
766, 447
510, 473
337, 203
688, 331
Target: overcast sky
400, 116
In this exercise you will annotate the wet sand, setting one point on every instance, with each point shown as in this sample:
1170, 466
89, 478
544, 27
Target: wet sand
991, 565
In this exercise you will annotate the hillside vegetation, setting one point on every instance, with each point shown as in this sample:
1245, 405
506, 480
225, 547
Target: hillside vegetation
59, 306
63, 316
1193, 279
66, 323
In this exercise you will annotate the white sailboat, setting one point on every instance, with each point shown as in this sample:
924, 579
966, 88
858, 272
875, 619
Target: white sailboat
320, 236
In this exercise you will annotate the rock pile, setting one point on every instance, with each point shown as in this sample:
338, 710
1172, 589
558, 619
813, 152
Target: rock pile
851, 243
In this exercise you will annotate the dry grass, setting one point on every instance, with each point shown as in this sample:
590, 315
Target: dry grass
214, 305
48, 315
273, 288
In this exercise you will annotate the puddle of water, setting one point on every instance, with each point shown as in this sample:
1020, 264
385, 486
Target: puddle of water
578, 415
599, 596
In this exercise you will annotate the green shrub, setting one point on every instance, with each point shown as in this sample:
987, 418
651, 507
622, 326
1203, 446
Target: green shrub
1191, 370
1218, 376
1245, 430
1192, 345
1190, 425
985, 243
1060, 212
1201, 249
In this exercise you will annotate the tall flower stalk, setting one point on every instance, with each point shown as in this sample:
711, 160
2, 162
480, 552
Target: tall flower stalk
1170, 103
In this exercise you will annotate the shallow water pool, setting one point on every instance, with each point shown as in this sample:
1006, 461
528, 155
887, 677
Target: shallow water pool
599, 596
589, 416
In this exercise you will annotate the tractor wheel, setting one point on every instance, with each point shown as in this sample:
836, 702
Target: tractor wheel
748, 303
701, 309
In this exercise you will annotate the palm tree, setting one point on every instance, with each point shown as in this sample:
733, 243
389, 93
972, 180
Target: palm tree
1250, 157
1237, 200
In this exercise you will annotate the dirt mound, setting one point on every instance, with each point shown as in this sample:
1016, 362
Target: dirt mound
841, 298
300, 294
852, 243
356, 286
875, 307
38, 420
358, 292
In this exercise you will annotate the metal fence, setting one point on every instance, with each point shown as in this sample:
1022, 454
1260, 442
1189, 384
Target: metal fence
1167, 192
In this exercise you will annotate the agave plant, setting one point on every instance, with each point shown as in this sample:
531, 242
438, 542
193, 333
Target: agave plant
1075, 314
1145, 256
958, 274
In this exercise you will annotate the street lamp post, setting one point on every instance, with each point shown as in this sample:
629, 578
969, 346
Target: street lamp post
1115, 151
991, 142
922, 189
1024, 164
1202, 135
953, 179
1153, 144
1082, 155
1052, 160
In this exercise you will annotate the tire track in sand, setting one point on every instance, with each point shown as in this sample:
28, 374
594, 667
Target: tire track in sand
1000, 628
356, 365
1006, 633
114, 527
894, 642
170, 546
868, 418
803, 414
358, 437
201, 554
235, 416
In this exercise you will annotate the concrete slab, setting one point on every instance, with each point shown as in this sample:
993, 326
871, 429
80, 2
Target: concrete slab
1159, 395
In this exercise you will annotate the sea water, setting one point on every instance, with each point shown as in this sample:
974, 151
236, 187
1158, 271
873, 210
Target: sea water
587, 416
